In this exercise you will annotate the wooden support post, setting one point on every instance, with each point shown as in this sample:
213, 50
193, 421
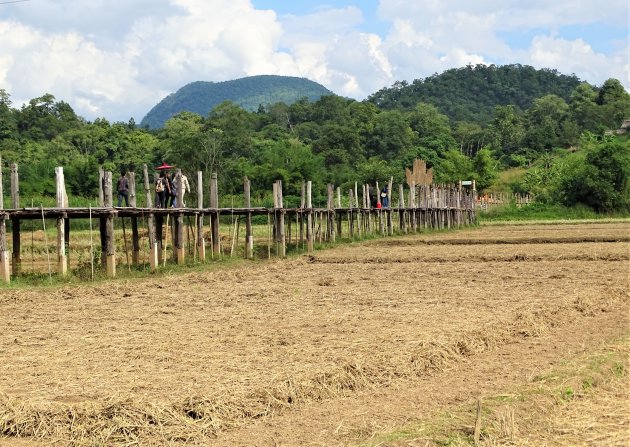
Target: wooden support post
330, 224
149, 191
16, 265
338, 213
5, 271
201, 242
301, 213
62, 261
412, 205
390, 214
280, 221
309, 216
135, 235
401, 208
214, 216
5, 266
101, 175
178, 245
110, 243
351, 214
249, 235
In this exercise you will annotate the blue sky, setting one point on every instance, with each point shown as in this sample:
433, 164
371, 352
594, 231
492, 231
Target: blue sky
117, 59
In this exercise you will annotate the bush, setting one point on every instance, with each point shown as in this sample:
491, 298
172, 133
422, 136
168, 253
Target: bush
601, 181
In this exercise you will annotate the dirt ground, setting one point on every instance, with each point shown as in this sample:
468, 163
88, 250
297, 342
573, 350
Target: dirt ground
326, 349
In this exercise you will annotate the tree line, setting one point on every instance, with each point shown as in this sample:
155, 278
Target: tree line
561, 145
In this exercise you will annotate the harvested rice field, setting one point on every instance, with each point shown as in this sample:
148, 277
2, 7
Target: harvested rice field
341, 347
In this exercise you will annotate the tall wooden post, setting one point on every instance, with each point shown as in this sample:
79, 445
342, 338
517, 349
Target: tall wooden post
15, 223
148, 191
412, 205
331, 213
179, 222
201, 242
249, 235
281, 237
390, 214
62, 262
5, 271
338, 213
350, 214
302, 206
214, 216
101, 175
135, 235
402, 214
110, 243
309, 216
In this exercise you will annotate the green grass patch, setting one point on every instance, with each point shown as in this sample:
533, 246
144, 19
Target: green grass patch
542, 211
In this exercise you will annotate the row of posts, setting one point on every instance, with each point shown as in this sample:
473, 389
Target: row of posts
430, 198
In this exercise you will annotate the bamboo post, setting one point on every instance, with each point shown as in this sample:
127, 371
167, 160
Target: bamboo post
110, 243
135, 235
201, 243
350, 214
390, 221
178, 245
280, 222
62, 262
101, 198
214, 216
302, 206
249, 236
15, 223
338, 213
5, 271
401, 207
412, 205
356, 205
309, 216
153, 247
330, 224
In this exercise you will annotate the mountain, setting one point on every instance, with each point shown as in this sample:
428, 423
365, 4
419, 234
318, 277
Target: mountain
249, 93
471, 93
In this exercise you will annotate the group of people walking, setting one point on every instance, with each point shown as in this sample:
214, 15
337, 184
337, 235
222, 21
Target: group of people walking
165, 189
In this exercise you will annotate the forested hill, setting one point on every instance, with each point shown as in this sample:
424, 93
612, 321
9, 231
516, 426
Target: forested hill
471, 93
249, 93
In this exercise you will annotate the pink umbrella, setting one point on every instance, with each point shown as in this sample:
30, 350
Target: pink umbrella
164, 166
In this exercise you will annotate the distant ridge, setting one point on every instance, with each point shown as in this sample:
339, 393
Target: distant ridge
202, 97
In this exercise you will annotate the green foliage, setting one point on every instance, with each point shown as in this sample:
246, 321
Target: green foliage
471, 93
601, 181
249, 93
454, 166
537, 211
550, 126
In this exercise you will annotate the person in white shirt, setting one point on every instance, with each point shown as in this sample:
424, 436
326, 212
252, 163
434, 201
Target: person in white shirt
185, 188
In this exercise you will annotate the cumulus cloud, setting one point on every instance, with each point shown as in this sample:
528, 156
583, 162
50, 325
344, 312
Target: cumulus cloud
117, 59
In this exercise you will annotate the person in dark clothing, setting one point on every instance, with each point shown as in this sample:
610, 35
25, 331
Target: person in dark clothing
373, 199
172, 194
385, 197
162, 190
123, 189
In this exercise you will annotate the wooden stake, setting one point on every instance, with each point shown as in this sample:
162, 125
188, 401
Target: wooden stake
5, 272
249, 235
91, 245
46, 243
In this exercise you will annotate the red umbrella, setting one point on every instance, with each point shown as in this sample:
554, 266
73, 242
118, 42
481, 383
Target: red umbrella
164, 166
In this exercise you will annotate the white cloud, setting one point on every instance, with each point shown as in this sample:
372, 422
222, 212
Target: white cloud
117, 58
577, 56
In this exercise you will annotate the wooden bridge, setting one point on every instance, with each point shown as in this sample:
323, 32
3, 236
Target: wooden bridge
425, 207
